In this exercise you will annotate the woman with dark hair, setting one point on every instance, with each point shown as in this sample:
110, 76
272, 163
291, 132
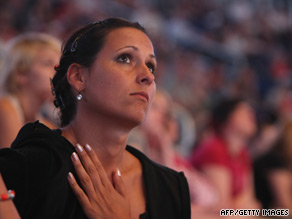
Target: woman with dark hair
224, 157
104, 86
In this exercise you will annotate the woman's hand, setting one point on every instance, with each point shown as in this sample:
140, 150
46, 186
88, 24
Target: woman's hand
99, 197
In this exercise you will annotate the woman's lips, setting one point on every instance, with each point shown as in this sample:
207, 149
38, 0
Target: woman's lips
141, 95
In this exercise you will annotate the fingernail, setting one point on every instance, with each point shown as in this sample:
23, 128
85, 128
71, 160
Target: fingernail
88, 147
75, 156
119, 172
70, 175
79, 148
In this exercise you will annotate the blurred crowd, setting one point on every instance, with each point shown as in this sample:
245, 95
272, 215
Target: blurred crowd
223, 110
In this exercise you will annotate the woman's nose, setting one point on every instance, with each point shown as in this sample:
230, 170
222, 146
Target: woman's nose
145, 76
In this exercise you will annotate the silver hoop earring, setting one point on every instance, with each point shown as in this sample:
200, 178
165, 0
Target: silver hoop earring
79, 96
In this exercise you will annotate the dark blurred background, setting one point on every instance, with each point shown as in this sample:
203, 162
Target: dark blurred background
205, 49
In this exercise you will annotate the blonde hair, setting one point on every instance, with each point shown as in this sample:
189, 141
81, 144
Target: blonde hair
20, 53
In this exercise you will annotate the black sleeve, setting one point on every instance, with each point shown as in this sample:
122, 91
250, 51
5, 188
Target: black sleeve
25, 170
13, 169
185, 196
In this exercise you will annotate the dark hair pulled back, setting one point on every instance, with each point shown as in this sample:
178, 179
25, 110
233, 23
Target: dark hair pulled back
222, 111
81, 47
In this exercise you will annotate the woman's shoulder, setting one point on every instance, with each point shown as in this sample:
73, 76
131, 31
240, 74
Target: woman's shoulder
10, 105
11, 120
27, 139
33, 132
36, 137
32, 149
38, 149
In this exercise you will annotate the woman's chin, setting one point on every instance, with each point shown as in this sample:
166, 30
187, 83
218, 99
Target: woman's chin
135, 121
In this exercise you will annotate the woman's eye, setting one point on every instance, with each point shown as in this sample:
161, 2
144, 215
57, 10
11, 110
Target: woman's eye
151, 67
125, 58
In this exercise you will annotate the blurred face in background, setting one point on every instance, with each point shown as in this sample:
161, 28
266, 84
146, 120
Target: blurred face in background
28, 65
37, 77
242, 120
160, 120
159, 112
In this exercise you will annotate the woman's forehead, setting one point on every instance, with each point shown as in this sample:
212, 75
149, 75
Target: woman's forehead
126, 37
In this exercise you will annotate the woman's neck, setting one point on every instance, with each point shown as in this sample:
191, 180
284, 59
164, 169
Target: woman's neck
107, 139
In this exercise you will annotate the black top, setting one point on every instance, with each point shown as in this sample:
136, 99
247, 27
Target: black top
37, 164
273, 160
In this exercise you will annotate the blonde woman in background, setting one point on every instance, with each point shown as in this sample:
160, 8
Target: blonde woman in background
24, 82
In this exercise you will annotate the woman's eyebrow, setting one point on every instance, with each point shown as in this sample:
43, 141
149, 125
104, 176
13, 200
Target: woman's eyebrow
132, 47
136, 49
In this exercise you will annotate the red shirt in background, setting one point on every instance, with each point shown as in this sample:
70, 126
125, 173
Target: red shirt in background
214, 152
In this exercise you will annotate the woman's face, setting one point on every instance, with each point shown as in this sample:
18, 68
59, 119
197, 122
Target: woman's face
158, 115
120, 83
242, 119
40, 72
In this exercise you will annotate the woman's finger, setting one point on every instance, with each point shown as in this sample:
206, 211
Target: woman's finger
119, 183
99, 167
80, 195
83, 177
89, 166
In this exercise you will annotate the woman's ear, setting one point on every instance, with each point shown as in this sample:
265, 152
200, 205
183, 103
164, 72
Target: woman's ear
76, 76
